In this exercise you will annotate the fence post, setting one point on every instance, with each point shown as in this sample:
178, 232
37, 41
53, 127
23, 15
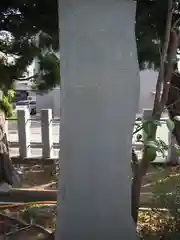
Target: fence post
23, 123
46, 133
172, 154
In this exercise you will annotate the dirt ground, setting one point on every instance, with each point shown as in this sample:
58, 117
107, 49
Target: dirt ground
157, 180
31, 221
38, 177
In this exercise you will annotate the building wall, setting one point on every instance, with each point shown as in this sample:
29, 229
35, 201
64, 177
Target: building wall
148, 79
49, 100
44, 101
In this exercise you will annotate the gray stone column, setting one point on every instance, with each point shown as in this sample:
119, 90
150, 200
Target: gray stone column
99, 100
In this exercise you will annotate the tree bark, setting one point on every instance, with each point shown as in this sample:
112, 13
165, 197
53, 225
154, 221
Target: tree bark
173, 104
8, 175
138, 175
6, 168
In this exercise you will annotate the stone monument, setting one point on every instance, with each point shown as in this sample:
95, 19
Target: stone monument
99, 99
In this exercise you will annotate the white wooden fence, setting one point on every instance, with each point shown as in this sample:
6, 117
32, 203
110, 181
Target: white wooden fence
47, 143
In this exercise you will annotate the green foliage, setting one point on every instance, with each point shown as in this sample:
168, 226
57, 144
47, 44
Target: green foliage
5, 103
30, 28
49, 69
29, 17
150, 29
33, 16
11, 94
170, 124
150, 152
6, 106
151, 144
149, 125
149, 140
162, 220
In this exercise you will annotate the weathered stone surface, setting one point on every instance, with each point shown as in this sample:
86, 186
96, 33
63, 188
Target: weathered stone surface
99, 100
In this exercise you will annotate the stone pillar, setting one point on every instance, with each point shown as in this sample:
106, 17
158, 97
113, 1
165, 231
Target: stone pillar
23, 124
46, 133
99, 100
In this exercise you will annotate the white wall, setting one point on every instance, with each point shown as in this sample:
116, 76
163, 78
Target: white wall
49, 100
148, 79
44, 101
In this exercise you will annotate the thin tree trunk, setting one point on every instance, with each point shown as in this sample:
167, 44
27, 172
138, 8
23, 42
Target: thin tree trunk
158, 108
136, 188
7, 172
173, 104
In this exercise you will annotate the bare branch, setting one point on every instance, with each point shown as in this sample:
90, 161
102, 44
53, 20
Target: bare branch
13, 220
28, 78
170, 65
175, 25
29, 228
163, 58
137, 130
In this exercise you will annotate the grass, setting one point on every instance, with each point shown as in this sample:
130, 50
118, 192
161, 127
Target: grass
165, 178
13, 117
154, 223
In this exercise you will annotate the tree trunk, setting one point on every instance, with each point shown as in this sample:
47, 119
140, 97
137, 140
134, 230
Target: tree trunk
173, 105
173, 157
99, 100
138, 175
7, 172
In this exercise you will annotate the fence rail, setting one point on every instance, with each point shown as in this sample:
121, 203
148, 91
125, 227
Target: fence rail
45, 128
23, 128
33, 145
